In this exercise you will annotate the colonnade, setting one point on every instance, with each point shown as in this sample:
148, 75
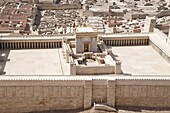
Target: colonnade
29, 45
126, 42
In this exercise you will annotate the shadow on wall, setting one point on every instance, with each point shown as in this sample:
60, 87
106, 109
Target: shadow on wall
3, 60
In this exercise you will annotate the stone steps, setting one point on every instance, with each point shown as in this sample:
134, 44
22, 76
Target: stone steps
104, 106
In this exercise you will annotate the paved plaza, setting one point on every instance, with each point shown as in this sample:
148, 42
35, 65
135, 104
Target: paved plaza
136, 60
33, 62
141, 60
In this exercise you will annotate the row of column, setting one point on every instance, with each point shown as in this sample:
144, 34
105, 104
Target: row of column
29, 45
126, 42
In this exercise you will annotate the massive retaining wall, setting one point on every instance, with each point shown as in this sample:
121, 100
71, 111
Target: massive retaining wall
37, 95
147, 93
24, 96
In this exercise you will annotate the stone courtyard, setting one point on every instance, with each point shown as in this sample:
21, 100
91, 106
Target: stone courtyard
36, 62
51, 62
141, 60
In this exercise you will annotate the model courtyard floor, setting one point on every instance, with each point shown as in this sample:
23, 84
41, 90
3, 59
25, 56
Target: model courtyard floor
36, 62
141, 60
136, 60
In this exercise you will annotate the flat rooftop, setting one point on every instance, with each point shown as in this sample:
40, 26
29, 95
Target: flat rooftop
33, 62
141, 60
84, 29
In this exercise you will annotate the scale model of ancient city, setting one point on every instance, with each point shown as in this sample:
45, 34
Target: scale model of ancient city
84, 56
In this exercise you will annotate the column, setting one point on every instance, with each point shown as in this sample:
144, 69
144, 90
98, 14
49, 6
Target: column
2, 45
52, 45
44, 44
31, 46
72, 68
60, 45
18, 45
87, 94
139, 41
143, 41
36, 45
56, 44
15, 45
7, 44
135, 42
125, 42
111, 93
128, 42
26, 45
147, 42
117, 42
120, 42
118, 67
131, 42
23, 45
47, 44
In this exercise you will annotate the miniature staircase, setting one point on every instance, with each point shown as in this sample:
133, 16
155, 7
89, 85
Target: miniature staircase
104, 106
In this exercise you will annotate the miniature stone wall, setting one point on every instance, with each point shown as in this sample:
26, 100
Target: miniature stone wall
58, 7
160, 50
147, 93
25, 96
38, 95
90, 70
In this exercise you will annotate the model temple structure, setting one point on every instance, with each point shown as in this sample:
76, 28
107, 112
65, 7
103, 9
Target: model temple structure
84, 55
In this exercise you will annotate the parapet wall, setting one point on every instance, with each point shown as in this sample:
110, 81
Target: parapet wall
38, 95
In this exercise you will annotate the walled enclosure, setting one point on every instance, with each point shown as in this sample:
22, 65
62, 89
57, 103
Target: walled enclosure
37, 95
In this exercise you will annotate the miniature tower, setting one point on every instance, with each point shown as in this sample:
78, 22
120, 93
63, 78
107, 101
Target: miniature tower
149, 24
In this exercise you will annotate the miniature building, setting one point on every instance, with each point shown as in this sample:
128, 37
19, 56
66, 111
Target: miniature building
149, 24
86, 40
91, 56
